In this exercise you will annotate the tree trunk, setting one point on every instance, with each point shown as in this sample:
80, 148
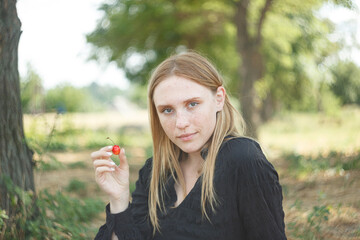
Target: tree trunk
268, 107
16, 159
252, 66
251, 71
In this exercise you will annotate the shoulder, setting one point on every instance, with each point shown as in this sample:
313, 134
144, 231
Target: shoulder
245, 158
241, 149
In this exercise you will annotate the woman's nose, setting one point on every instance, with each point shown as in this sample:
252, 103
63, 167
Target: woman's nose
182, 120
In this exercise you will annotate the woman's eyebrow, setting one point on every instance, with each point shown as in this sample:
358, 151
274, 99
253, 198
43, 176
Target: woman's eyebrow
161, 106
192, 99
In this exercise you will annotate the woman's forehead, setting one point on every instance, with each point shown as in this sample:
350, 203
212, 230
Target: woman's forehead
178, 89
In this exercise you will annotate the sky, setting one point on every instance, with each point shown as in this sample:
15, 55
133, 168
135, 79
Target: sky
53, 41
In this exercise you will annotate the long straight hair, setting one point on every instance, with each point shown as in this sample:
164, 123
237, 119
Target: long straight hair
166, 154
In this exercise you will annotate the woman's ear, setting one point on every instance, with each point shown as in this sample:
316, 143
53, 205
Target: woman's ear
220, 98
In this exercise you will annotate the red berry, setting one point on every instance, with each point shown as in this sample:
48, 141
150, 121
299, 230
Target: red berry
116, 150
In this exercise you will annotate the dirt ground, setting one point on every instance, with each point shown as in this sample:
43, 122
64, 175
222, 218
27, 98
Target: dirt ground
339, 191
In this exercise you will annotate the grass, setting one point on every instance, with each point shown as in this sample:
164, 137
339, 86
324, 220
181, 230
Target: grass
300, 165
80, 131
318, 158
312, 133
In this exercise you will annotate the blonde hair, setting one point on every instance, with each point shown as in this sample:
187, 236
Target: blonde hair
192, 66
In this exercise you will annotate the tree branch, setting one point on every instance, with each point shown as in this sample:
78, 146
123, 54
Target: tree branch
260, 24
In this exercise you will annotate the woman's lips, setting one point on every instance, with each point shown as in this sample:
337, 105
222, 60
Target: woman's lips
186, 137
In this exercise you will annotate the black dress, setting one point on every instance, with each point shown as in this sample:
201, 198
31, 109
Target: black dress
247, 187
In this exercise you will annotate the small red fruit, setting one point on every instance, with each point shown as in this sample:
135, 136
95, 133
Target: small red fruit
116, 148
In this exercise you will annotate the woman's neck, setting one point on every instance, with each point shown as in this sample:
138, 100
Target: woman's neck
192, 163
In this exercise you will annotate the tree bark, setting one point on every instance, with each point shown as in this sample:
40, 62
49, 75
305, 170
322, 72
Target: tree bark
268, 108
16, 159
251, 70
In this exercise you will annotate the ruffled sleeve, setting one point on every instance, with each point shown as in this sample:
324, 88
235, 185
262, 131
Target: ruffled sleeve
133, 223
259, 194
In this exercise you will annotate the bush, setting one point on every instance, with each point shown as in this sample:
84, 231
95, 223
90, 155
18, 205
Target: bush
51, 164
66, 98
78, 164
346, 83
32, 92
49, 216
77, 186
302, 165
311, 230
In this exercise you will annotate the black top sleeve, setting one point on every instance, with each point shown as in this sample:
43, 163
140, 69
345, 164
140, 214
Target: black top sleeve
259, 193
133, 223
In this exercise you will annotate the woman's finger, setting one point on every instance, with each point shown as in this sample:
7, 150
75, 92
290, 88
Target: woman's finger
107, 148
102, 162
123, 161
103, 169
100, 155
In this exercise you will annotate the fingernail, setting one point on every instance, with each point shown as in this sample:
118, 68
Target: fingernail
124, 150
109, 153
110, 147
112, 169
112, 163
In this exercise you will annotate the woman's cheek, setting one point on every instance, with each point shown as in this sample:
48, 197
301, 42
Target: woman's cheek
167, 125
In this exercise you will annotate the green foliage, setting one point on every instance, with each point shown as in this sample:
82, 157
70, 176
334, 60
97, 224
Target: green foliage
79, 164
48, 133
311, 230
138, 35
327, 102
296, 48
3, 218
42, 142
318, 215
132, 187
302, 165
49, 165
138, 95
346, 83
66, 98
313, 133
59, 134
50, 216
32, 92
77, 186
103, 96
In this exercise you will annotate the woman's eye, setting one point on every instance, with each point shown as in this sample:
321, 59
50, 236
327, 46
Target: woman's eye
167, 110
193, 104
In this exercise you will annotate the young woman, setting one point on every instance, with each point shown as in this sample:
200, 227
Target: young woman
204, 181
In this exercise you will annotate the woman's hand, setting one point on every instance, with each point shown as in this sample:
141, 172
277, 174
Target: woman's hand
112, 179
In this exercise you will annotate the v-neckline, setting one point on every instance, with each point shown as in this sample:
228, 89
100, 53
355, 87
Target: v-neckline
175, 197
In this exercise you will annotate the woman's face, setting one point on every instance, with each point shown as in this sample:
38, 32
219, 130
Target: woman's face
187, 111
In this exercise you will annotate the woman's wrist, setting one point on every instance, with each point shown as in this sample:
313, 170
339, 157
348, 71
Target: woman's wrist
118, 206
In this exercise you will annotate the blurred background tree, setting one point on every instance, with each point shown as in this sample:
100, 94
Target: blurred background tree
32, 92
67, 98
346, 84
64, 97
269, 51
